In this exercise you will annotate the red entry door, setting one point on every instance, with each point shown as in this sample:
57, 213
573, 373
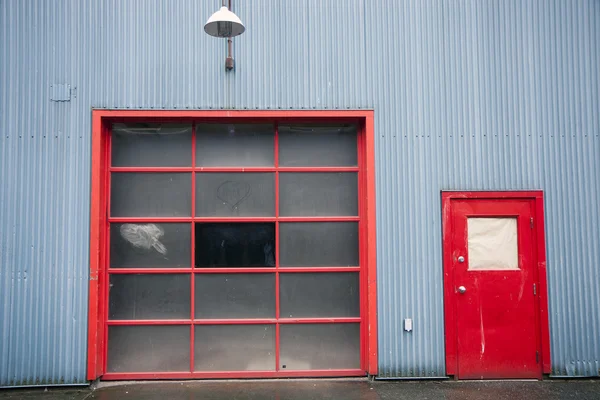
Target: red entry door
494, 293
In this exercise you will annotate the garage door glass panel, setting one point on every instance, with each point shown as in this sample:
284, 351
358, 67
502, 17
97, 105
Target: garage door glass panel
320, 346
235, 245
318, 194
318, 244
243, 194
152, 145
150, 245
149, 296
234, 348
151, 195
235, 296
317, 145
148, 348
492, 244
235, 145
306, 295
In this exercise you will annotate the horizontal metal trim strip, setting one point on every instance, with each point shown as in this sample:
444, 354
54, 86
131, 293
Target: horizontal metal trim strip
255, 321
233, 169
230, 270
169, 114
114, 271
404, 378
318, 219
119, 220
317, 269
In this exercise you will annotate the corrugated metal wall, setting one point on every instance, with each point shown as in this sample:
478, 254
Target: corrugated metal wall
486, 96
467, 94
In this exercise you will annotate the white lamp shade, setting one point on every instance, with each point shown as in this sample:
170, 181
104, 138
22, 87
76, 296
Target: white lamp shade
224, 23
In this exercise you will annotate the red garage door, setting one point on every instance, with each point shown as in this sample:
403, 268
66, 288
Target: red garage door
234, 250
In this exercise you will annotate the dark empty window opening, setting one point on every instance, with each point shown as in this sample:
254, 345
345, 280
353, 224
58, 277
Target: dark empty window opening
235, 245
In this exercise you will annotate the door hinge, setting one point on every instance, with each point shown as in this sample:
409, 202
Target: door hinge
534, 290
531, 222
537, 357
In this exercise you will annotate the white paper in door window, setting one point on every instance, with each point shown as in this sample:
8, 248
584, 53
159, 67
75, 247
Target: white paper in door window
492, 244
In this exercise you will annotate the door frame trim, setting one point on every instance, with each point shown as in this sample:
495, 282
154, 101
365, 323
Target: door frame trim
101, 120
450, 339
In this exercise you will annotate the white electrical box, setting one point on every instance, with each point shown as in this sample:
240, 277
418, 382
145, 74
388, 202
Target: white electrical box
408, 324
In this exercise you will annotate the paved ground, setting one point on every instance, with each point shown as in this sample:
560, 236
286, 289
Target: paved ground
322, 389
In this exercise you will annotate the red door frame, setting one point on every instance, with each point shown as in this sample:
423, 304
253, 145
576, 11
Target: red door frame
539, 263
101, 122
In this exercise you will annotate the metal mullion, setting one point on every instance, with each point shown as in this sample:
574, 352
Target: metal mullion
337, 320
318, 269
277, 263
320, 219
192, 312
231, 270
277, 334
114, 271
361, 253
276, 146
236, 321
109, 175
193, 251
233, 219
151, 169
148, 219
107, 224
234, 169
136, 322
319, 169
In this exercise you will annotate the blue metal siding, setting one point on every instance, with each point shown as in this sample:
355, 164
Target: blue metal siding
473, 95
486, 96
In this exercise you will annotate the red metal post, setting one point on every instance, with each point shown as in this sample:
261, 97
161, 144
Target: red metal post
371, 249
93, 365
540, 245
193, 253
105, 289
277, 261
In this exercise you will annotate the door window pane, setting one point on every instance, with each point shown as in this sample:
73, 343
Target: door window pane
319, 346
235, 245
243, 194
235, 296
148, 348
149, 296
318, 194
317, 145
492, 244
324, 294
235, 145
151, 194
318, 244
234, 348
151, 145
150, 245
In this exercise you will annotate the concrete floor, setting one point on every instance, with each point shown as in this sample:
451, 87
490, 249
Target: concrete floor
322, 389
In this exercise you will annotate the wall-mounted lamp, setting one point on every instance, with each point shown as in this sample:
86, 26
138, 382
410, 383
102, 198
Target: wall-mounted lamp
225, 24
